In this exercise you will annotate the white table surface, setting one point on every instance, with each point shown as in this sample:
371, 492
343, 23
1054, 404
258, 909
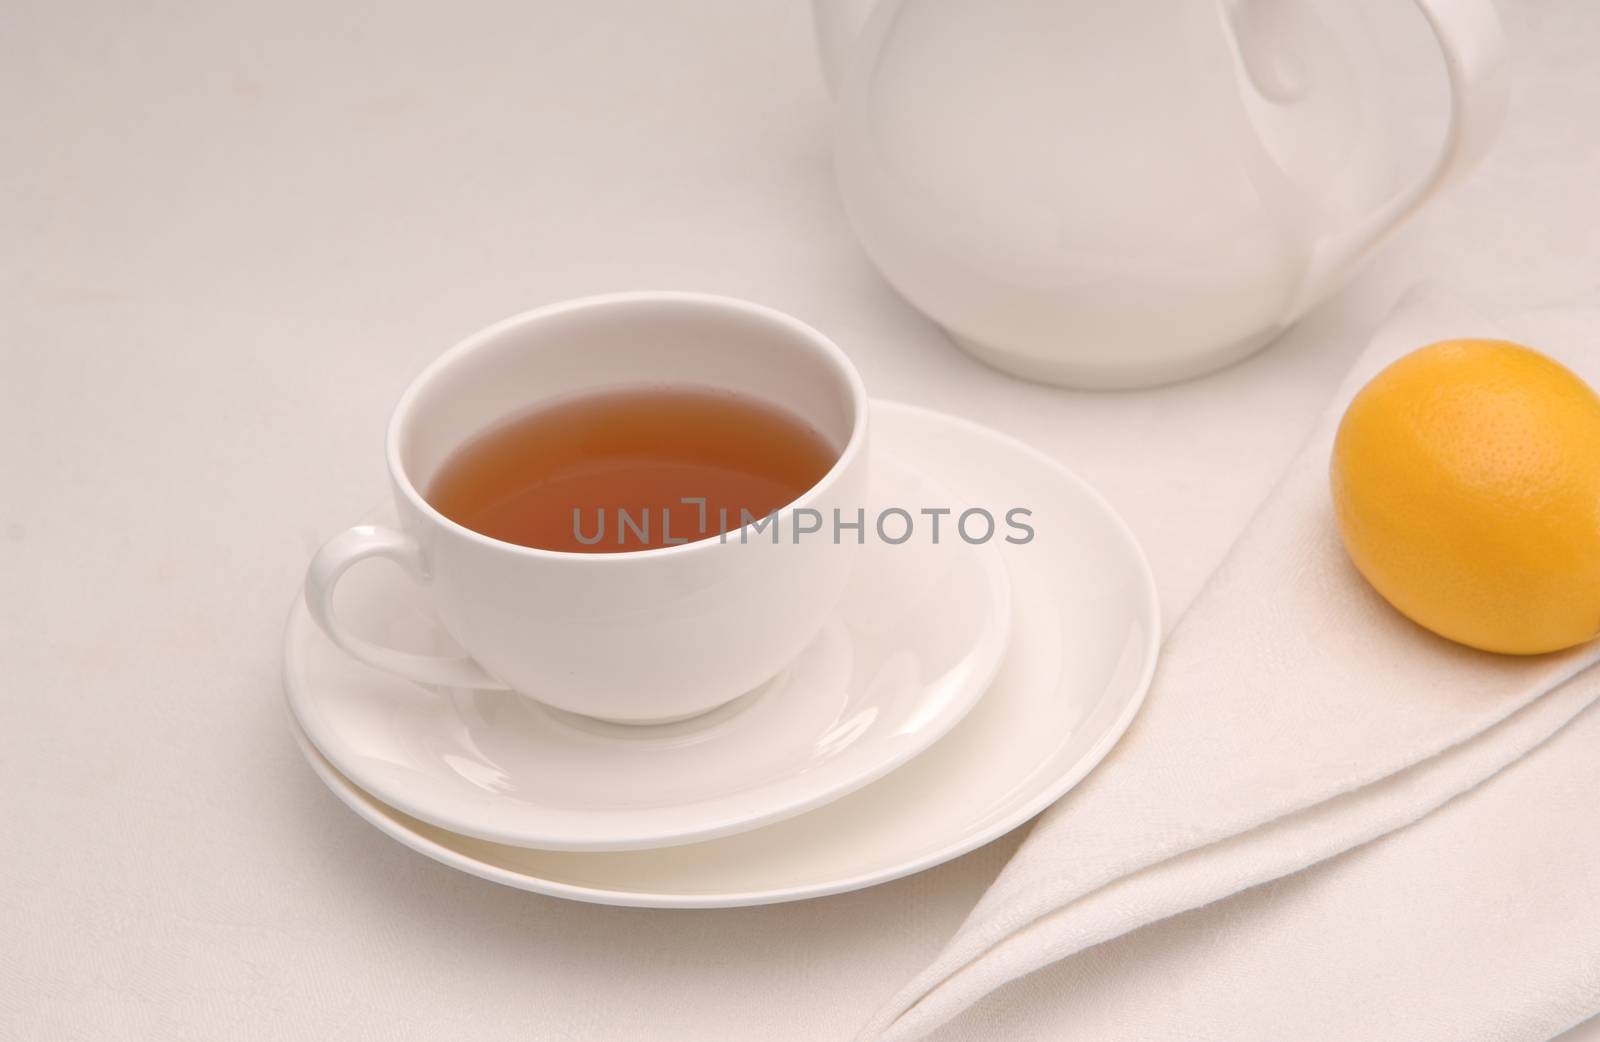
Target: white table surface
229, 235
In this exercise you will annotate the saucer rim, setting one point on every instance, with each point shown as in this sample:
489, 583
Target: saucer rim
988, 655
378, 814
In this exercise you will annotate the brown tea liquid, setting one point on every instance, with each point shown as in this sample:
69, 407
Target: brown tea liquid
625, 461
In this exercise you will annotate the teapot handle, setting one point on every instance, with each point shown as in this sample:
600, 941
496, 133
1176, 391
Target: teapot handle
1474, 46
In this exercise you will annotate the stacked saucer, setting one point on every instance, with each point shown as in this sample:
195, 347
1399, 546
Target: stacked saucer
961, 687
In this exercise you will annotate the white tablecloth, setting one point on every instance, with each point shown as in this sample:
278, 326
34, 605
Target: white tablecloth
230, 233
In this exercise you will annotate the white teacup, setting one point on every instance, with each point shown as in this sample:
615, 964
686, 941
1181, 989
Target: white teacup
637, 637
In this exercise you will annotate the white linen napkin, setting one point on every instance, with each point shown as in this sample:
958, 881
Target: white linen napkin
1295, 716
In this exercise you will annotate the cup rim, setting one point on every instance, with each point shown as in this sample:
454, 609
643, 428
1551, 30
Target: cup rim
826, 348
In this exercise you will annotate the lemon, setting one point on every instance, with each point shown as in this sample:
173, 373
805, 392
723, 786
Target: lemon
1466, 483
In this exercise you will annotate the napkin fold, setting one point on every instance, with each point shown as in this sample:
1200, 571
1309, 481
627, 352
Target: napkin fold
1294, 716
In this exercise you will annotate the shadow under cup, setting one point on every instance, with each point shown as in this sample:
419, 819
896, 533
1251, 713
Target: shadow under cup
645, 636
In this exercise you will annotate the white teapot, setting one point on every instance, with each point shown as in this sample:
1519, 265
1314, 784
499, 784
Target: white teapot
1117, 193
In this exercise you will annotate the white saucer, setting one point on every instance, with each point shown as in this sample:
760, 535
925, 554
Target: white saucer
914, 644
1082, 650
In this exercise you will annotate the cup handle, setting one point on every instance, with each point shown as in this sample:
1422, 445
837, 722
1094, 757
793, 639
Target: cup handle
1474, 46
330, 564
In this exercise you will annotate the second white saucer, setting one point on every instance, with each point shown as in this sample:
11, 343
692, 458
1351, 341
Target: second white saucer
917, 640
1082, 650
